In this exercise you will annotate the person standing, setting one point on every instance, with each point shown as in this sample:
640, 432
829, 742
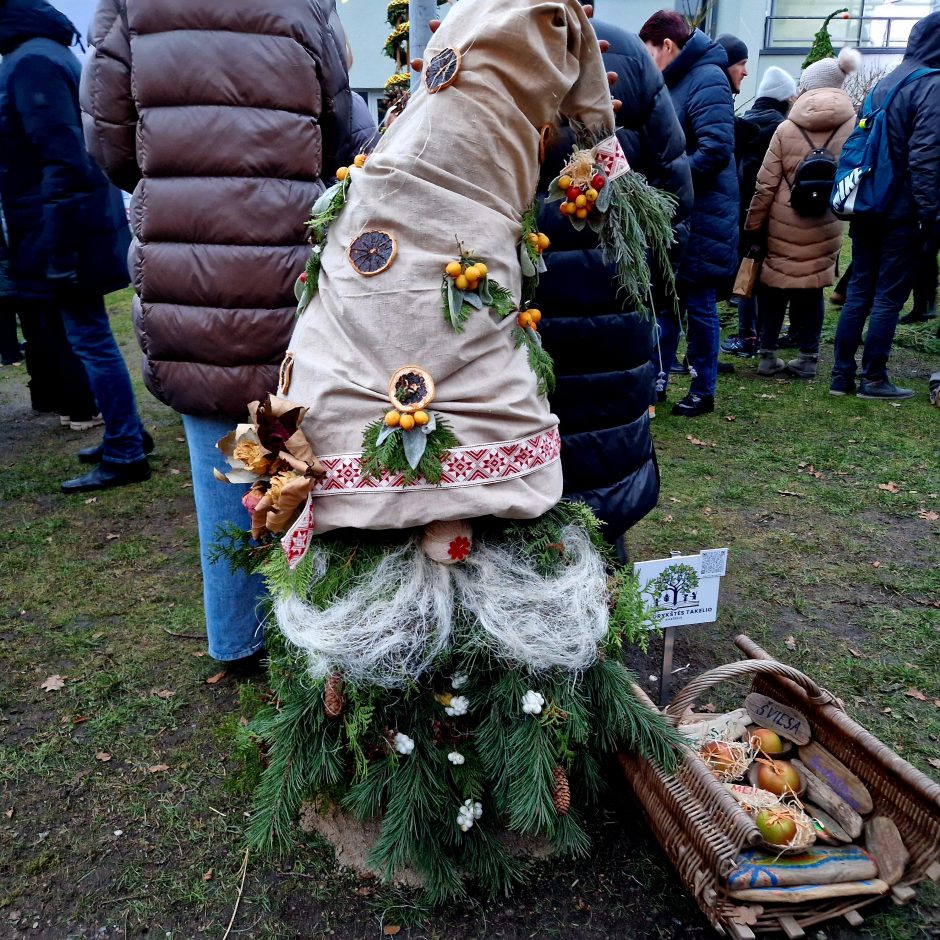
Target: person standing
888, 251
224, 119
736, 51
775, 93
801, 249
693, 68
67, 227
602, 348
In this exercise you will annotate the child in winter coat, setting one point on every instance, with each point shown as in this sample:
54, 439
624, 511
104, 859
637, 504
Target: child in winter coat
801, 250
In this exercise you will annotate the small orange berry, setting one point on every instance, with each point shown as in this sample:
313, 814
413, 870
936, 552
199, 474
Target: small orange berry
392, 418
591, 195
543, 241
461, 282
581, 213
534, 315
453, 269
471, 273
524, 320
482, 269
563, 208
342, 173
421, 417
407, 422
533, 239
360, 160
581, 201
565, 182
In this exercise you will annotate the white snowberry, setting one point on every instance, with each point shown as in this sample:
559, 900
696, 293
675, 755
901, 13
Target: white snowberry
459, 704
403, 744
477, 810
459, 681
532, 702
456, 758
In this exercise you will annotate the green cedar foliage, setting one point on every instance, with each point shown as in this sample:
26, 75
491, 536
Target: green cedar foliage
509, 756
539, 359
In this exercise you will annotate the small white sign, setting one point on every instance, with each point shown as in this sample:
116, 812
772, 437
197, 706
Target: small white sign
682, 589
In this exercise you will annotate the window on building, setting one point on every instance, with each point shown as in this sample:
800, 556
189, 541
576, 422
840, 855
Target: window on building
869, 24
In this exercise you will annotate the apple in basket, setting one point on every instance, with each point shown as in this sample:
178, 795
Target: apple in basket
776, 826
778, 776
719, 755
766, 741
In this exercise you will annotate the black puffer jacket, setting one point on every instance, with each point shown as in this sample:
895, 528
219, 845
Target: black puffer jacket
764, 118
914, 128
601, 351
64, 220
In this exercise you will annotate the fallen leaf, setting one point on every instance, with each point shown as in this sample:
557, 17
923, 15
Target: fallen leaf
886, 711
876, 564
212, 680
79, 719
934, 762
936, 702
790, 642
708, 707
199, 653
791, 493
207, 876
174, 471
928, 515
390, 930
916, 693
766, 396
243, 721
8, 813
181, 440
103, 756
90, 500
695, 442
855, 652
112, 535
667, 518
164, 693
53, 684
889, 487
731, 417
158, 768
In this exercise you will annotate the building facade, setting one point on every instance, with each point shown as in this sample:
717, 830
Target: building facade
777, 32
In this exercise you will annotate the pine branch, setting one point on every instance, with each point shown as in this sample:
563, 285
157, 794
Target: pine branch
540, 362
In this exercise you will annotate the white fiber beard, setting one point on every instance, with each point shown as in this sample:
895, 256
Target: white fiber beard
542, 622
375, 634
383, 636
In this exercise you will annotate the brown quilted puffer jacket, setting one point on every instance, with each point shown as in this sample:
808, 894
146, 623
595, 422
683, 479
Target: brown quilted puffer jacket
221, 117
801, 252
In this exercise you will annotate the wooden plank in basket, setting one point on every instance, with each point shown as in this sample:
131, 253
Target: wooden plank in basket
798, 894
884, 842
838, 776
823, 795
775, 716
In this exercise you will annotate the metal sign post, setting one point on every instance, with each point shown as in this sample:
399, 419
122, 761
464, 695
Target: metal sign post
669, 639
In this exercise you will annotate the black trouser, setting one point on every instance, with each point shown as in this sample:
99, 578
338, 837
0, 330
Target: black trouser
925, 287
57, 379
806, 315
9, 341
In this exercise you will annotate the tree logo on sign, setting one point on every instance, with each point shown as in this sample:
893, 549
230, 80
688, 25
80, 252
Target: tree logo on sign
676, 586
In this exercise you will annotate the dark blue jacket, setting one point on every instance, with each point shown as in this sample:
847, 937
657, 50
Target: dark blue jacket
601, 351
66, 223
914, 128
702, 97
764, 118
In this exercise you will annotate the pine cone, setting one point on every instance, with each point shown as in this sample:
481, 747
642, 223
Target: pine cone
561, 794
333, 700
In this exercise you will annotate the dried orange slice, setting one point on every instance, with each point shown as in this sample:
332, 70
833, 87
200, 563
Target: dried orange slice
372, 253
410, 389
442, 70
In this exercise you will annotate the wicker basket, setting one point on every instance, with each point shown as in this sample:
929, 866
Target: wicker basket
702, 829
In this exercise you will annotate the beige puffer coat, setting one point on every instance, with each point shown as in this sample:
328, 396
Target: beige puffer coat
221, 116
801, 252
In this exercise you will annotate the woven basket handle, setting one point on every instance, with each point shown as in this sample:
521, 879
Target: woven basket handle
686, 698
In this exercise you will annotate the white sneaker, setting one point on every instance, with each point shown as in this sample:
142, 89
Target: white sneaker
96, 422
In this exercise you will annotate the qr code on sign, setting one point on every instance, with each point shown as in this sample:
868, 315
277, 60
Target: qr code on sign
714, 562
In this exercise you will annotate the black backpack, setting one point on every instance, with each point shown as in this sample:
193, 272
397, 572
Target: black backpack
813, 180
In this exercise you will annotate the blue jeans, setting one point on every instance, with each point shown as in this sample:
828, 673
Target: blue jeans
231, 598
885, 261
89, 334
702, 339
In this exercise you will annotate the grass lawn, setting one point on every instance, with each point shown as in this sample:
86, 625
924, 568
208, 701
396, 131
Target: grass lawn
123, 796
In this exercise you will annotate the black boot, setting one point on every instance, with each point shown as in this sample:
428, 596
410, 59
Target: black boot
96, 454
694, 405
107, 475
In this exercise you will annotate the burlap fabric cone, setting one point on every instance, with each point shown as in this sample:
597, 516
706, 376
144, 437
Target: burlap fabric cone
461, 164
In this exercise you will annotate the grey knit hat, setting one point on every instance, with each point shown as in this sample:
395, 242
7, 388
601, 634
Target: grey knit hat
830, 73
776, 84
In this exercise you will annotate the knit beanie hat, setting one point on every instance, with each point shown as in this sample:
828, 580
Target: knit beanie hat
830, 73
776, 84
736, 48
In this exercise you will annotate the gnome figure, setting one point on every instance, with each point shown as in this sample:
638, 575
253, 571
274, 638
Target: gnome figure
410, 342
